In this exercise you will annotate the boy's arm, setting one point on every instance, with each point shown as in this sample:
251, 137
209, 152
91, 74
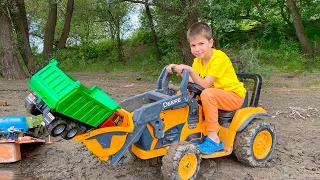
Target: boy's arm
205, 83
190, 79
194, 77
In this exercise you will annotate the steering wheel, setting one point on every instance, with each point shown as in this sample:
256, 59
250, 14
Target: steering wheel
163, 82
195, 88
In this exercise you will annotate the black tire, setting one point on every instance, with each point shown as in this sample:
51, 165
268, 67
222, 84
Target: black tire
71, 131
34, 132
255, 144
184, 155
31, 108
40, 131
37, 132
57, 127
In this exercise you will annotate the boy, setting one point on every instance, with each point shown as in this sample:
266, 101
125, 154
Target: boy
213, 70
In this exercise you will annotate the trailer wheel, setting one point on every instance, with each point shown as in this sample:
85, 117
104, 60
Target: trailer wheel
182, 161
57, 127
255, 144
71, 131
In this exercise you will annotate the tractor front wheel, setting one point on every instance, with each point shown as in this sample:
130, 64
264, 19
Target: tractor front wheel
182, 161
255, 144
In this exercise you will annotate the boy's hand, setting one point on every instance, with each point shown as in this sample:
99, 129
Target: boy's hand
169, 68
181, 67
178, 68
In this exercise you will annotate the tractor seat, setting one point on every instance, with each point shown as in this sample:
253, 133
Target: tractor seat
225, 117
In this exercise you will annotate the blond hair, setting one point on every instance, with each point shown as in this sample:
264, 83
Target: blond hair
199, 28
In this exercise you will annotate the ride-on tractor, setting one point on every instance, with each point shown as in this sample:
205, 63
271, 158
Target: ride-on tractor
161, 123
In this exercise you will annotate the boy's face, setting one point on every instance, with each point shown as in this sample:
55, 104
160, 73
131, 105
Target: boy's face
201, 46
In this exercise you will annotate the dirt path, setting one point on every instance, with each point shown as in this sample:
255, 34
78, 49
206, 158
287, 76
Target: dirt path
297, 155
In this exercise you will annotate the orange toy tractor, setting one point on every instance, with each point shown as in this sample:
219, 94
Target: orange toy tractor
161, 123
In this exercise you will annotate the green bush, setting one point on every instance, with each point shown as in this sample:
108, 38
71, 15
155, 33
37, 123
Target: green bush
140, 37
247, 60
88, 56
264, 52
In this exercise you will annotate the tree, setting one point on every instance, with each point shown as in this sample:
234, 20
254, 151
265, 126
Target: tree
174, 19
303, 38
191, 17
317, 46
85, 22
50, 31
153, 31
113, 13
152, 28
66, 29
11, 68
19, 19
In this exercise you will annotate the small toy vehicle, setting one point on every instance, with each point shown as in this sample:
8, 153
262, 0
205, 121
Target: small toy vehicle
67, 106
19, 123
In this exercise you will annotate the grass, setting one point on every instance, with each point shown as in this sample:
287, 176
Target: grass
262, 58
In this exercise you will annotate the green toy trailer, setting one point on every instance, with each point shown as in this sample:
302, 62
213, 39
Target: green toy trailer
66, 105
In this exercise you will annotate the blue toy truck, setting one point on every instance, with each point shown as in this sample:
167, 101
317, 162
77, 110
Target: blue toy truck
19, 123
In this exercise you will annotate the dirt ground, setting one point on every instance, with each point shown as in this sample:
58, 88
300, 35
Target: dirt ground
293, 102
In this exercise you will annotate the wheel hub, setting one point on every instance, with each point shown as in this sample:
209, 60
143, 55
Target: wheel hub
262, 144
187, 166
59, 129
72, 133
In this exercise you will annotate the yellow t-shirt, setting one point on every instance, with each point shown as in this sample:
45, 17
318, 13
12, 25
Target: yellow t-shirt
220, 67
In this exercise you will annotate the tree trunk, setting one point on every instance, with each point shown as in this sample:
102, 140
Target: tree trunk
217, 44
117, 31
318, 46
119, 44
192, 17
19, 19
66, 29
304, 41
153, 32
50, 31
11, 68
216, 39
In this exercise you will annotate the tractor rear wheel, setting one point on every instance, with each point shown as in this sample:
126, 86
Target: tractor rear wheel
57, 127
71, 131
182, 161
255, 144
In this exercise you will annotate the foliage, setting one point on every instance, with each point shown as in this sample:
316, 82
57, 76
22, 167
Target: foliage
258, 35
247, 60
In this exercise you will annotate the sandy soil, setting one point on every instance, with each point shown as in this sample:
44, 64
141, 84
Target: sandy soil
297, 154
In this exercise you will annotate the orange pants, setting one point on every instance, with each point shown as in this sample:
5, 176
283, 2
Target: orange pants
213, 99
